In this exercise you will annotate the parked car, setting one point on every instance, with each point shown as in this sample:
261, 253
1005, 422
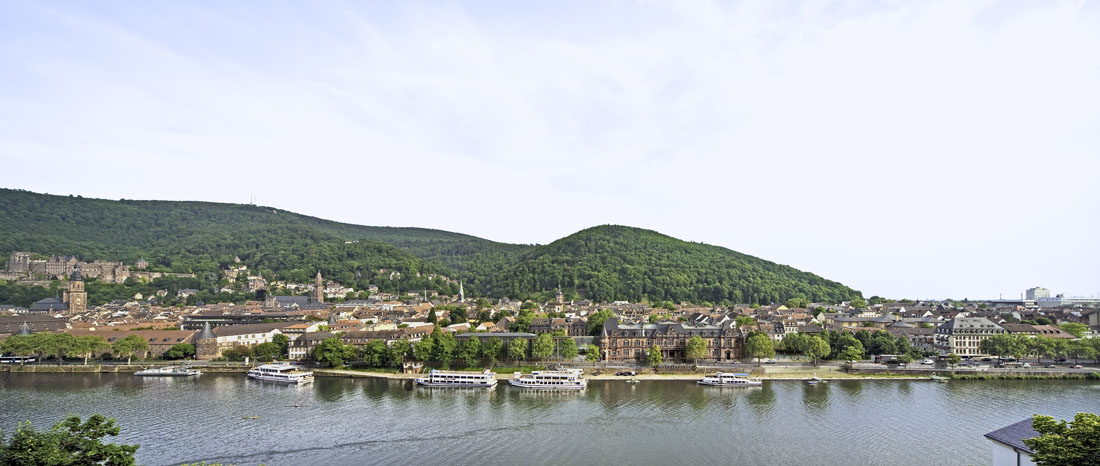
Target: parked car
1025, 365
1076, 366
1062, 360
769, 361
626, 373
1051, 366
927, 362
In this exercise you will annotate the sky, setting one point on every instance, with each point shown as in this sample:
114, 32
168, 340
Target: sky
930, 149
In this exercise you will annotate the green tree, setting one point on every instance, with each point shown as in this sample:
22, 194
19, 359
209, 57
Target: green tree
653, 318
424, 349
376, 353
523, 321
1081, 349
1076, 329
569, 349
398, 351
744, 321
471, 351
1076, 443
654, 357
953, 359
816, 348
517, 349
283, 342
760, 346
446, 347
86, 346
491, 349
543, 347
793, 343
797, 302
265, 351
179, 351
851, 353
596, 321
70, 442
129, 347
857, 303
333, 352
695, 348
591, 353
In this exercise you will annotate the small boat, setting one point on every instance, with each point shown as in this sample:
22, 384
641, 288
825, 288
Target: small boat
727, 379
250, 417
939, 379
632, 380
816, 380
282, 373
563, 379
170, 371
460, 379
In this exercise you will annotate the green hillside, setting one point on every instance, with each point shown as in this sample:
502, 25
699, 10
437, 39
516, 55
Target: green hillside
602, 263
614, 262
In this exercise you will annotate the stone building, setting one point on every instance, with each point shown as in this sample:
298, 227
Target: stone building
622, 342
75, 297
964, 335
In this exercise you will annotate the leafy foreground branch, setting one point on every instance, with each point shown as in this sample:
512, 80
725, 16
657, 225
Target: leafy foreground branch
1061, 443
70, 443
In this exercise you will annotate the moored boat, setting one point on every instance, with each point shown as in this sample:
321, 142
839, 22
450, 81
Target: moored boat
281, 372
728, 379
936, 378
438, 378
169, 371
563, 379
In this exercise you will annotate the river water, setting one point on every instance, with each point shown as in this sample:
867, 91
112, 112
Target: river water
378, 421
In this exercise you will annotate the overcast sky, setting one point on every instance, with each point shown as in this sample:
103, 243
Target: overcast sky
906, 149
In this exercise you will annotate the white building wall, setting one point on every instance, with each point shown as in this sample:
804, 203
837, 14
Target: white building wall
1004, 455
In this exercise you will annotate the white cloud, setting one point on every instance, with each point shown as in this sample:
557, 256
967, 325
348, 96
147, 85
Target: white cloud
909, 149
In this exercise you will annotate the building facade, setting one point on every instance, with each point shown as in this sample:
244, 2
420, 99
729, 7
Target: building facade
631, 342
964, 335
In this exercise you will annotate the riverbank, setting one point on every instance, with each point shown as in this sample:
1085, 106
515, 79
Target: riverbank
108, 368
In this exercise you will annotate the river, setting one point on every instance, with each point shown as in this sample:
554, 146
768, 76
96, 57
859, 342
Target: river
379, 421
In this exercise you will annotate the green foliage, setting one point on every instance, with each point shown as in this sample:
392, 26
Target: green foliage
743, 321
333, 352
283, 342
445, 347
471, 351
603, 263
70, 442
490, 351
654, 357
375, 353
88, 346
1074, 328
179, 351
953, 359
1076, 443
609, 263
569, 349
543, 347
517, 349
523, 321
1043, 321
591, 353
695, 348
759, 346
793, 343
797, 302
857, 302
596, 320
398, 351
130, 346
816, 348
424, 349
266, 351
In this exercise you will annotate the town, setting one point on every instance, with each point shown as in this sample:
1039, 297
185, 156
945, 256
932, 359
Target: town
333, 325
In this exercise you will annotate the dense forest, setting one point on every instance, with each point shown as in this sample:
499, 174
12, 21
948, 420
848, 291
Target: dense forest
601, 263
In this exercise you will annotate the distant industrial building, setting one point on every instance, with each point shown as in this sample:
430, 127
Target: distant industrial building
1033, 294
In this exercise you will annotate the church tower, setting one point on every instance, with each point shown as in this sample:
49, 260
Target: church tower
75, 296
319, 289
461, 293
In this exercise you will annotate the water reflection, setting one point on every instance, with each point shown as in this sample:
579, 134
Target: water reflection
761, 400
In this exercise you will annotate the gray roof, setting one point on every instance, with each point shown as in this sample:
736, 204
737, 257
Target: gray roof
206, 332
49, 304
1014, 435
497, 334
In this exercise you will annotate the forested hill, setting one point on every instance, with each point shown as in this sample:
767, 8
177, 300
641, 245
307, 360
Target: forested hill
615, 262
601, 263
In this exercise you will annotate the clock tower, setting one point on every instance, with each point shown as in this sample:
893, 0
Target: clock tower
75, 296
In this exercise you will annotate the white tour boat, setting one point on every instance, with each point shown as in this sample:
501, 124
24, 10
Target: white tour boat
727, 379
438, 378
564, 379
169, 371
281, 372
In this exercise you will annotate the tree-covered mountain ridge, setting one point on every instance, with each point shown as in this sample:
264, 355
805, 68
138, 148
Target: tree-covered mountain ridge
602, 263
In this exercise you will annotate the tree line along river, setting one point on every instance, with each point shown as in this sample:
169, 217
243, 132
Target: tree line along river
382, 421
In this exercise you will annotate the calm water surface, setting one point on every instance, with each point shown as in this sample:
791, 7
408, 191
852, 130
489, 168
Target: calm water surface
374, 421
